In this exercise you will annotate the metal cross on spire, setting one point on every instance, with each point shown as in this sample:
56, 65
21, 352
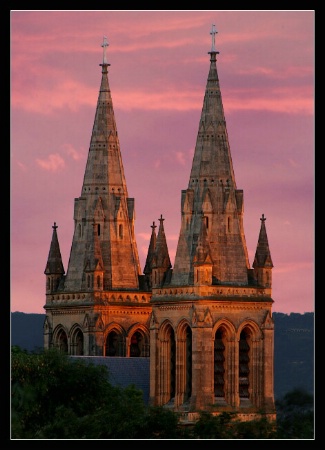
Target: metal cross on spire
213, 33
104, 45
262, 219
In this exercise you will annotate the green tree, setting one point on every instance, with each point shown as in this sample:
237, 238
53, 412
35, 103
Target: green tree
54, 396
295, 415
213, 427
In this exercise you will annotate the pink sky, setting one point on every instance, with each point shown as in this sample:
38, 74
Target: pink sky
159, 67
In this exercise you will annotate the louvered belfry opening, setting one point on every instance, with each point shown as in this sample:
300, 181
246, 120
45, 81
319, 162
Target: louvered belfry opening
172, 366
219, 365
244, 358
188, 384
114, 344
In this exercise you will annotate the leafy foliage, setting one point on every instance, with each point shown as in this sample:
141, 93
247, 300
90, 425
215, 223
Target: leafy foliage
56, 397
295, 415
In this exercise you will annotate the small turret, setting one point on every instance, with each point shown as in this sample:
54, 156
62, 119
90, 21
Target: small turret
151, 253
263, 264
54, 269
161, 265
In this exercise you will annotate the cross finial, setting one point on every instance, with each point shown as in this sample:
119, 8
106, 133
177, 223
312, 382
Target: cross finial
262, 219
54, 226
153, 226
213, 33
161, 218
104, 45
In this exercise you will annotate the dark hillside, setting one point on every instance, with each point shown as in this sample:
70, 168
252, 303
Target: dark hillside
27, 330
293, 352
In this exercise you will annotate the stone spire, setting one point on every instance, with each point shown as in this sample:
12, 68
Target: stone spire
161, 264
212, 192
263, 264
104, 200
263, 254
150, 256
54, 263
54, 269
162, 259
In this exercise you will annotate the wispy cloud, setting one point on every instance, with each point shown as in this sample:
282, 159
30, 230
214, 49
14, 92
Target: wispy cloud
75, 154
53, 163
45, 100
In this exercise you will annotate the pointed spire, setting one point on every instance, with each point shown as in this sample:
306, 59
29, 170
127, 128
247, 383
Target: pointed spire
54, 263
104, 142
162, 260
212, 190
212, 159
262, 255
104, 199
151, 250
161, 265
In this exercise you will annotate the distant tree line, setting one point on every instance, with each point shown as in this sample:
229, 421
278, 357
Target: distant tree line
54, 397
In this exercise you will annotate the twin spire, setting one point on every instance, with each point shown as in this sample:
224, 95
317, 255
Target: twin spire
211, 235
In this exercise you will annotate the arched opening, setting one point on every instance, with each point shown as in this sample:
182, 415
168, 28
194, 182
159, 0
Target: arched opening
114, 345
120, 231
172, 364
244, 364
267, 279
78, 342
167, 365
136, 344
188, 364
219, 364
62, 341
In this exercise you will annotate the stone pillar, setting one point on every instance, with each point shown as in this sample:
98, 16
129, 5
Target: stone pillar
202, 367
268, 369
231, 370
154, 363
180, 371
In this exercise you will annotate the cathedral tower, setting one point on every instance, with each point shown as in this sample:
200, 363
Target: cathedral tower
99, 306
211, 333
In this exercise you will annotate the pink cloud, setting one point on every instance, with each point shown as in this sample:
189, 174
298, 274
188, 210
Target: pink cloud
279, 100
180, 157
292, 267
42, 100
75, 154
53, 163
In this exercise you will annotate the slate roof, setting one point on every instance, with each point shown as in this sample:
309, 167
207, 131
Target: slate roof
125, 371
